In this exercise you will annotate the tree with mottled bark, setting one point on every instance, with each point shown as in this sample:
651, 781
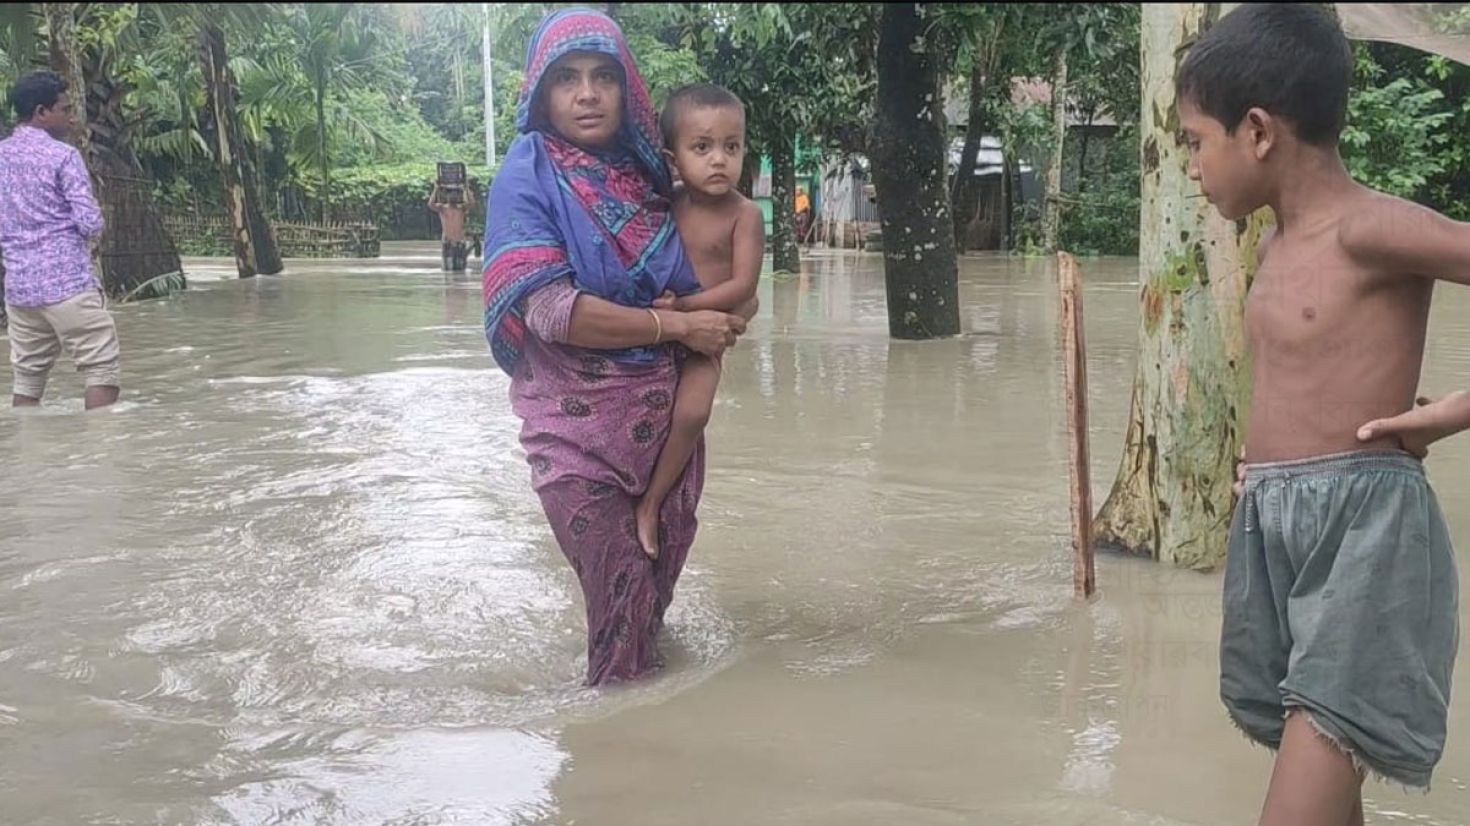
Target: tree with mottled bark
908, 153
1172, 498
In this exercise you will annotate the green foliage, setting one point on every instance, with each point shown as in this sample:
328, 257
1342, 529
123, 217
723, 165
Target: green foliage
1102, 219
664, 67
444, 59
394, 196
799, 68
1025, 132
1021, 42
444, 43
1104, 55
400, 88
1100, 213
1396, 131
20, 49
160, 286
1449, 189
400, 131
1452, 18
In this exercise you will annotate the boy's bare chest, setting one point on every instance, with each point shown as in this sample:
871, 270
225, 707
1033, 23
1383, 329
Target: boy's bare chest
1304, 295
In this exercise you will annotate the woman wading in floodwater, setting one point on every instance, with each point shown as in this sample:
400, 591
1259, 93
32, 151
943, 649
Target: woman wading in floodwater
579, 241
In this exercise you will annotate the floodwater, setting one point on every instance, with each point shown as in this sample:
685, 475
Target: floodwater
298, 576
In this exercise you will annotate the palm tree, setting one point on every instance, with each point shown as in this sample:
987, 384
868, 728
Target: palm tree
178, 101
335, 45
255, 243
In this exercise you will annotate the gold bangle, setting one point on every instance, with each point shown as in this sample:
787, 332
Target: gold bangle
658, 336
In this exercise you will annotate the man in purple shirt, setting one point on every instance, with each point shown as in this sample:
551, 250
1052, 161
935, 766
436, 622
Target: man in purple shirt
48, 220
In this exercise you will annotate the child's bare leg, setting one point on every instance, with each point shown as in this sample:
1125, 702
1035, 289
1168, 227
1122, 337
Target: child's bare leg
695, 398
1313, 783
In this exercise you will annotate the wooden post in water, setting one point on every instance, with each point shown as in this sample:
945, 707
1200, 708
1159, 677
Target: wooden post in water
1074, 359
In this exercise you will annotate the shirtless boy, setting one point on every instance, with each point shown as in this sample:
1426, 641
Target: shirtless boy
1340, 606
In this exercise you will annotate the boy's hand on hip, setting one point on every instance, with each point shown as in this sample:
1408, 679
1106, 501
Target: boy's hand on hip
1427, 423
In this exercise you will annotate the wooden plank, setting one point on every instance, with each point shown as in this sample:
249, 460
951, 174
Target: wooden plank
1074, 360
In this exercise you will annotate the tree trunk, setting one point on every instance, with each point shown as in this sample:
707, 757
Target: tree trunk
1082, 156
1051, 207
262, 233
908, 154
785, 252
965, 194
217, 88
321, 145
1007, 201
135, 249
66, 60
748, 173
1172, 497
255, 243
458, 81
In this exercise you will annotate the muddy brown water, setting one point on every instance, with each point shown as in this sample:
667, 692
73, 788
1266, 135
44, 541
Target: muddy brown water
298, 577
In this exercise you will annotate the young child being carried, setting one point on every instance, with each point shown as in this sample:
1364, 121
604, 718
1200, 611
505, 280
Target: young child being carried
724, 234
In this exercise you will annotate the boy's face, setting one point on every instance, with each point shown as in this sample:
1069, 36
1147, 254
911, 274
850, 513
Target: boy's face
583, 96
1226, 166
709, 150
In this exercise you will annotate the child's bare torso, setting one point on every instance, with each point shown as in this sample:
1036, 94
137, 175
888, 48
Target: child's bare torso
451, 221
708, 231
1335, 344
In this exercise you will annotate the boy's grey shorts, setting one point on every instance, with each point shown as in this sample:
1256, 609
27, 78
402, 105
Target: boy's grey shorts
1341, 600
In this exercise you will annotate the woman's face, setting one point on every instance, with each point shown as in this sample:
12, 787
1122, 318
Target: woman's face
583, 96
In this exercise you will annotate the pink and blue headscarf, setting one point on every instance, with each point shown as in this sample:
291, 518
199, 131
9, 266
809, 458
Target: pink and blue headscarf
559, 211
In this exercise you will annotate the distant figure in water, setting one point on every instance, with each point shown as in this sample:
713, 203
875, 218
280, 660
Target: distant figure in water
48, 221
452, 212
803, 214
579, 242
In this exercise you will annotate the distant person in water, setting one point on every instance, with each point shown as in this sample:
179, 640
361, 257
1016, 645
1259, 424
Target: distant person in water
48, 221
803, 214
579, 242
452, 213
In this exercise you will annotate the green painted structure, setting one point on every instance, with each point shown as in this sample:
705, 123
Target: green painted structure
807, 158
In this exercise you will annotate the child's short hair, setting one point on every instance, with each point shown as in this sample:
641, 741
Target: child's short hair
41, 88
1290, 59
695, 95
